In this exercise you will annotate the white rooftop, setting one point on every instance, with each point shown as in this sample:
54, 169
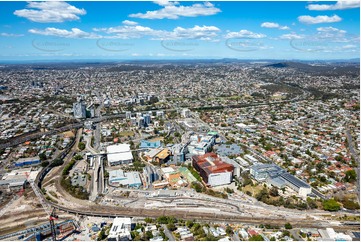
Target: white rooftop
119, 152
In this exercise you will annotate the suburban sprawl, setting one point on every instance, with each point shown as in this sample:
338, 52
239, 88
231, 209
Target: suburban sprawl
218, 150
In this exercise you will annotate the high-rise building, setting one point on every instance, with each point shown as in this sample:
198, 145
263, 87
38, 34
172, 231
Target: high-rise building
128, 115
147, 119
79, 110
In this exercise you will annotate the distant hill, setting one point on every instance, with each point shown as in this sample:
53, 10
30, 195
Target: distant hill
297, 65
320, 68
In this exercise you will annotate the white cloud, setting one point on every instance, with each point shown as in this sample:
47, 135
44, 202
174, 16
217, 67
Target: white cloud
337, 6
284, 28
127, 32
331, 29
50, 12
128, 22
172, 10
291, 36
306, 19
272, 25
74, 33
10, 35
244, 34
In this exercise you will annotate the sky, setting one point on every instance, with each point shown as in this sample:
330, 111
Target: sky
179, 30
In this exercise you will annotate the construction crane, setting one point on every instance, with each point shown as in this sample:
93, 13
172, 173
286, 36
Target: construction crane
53, 217
48, 209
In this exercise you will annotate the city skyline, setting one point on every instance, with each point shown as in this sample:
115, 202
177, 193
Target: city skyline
179, 30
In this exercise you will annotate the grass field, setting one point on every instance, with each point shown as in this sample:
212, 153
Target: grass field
126, 133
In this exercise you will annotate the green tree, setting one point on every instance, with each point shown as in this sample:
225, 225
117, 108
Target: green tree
44, 163
229, 230
42, 156
148, 220
274, 192
350, 176
288, 226
331, 205
171, 226
81, 145
256, 238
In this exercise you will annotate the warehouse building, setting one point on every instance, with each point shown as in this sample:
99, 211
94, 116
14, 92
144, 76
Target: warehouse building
121, 178
119, 154
278, 177
212, 169
15, 180
27, 161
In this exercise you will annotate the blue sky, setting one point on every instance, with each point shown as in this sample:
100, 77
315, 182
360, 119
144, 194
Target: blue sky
179, 30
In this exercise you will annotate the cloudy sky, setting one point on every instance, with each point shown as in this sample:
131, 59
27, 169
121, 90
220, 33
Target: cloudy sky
179, 30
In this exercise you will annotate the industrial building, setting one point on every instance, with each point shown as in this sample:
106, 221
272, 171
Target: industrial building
121, 178
212, 169
27, 161
15, 180
278, 177
120, 230
119, 154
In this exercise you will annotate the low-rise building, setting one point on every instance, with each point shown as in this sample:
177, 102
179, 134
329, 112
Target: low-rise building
129, 179
120, 230
119, 154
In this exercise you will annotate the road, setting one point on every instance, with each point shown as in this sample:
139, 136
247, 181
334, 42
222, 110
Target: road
296, 235
168, 233
356, 158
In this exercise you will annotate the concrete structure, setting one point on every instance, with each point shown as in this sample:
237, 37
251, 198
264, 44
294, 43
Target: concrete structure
119, 154
129, 179
120, 230
212, 169
186, 113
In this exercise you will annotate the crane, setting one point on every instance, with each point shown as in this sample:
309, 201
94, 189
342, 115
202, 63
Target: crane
48, 209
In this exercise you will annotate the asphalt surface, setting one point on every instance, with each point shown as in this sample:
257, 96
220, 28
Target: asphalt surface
168, 233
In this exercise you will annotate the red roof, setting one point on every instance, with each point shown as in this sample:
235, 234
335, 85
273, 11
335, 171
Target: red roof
211, 163
251, 232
